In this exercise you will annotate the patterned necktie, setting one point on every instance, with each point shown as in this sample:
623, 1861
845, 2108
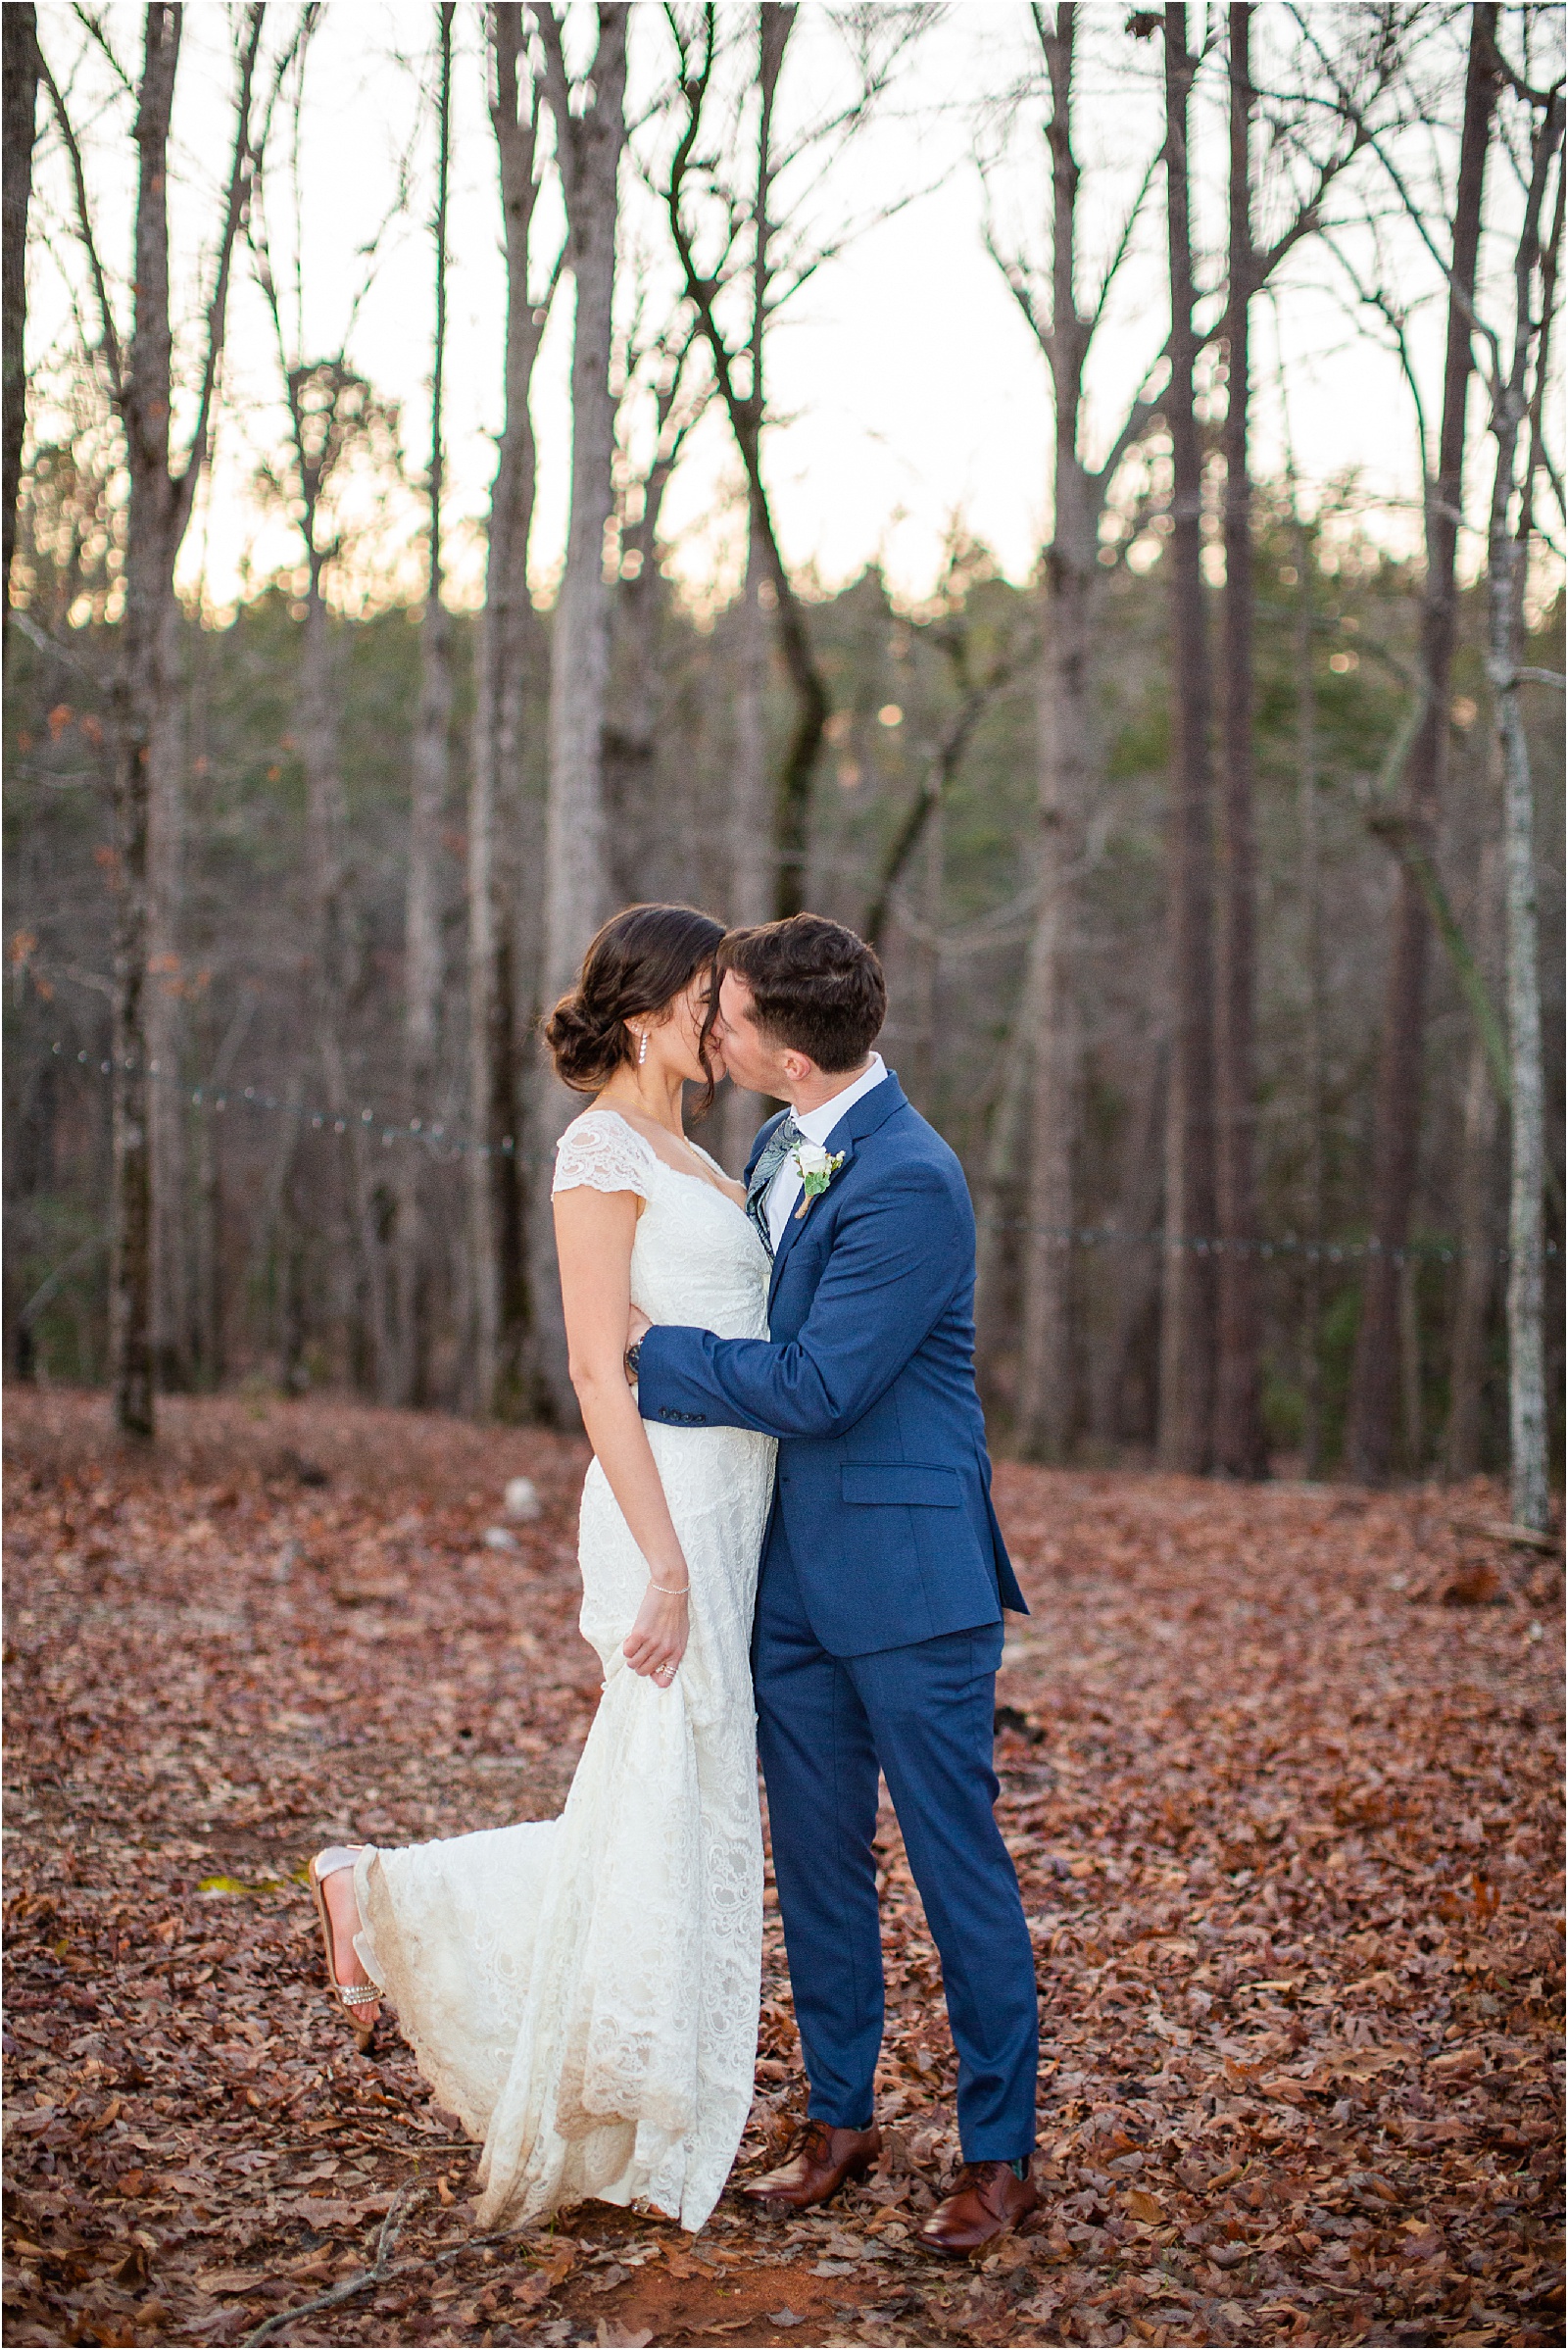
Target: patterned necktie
780, 1142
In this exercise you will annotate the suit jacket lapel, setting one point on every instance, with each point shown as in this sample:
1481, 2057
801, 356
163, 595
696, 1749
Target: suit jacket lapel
863, 1117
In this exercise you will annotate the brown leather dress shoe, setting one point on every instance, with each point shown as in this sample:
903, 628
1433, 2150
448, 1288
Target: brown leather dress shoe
817, 2167
987, 2199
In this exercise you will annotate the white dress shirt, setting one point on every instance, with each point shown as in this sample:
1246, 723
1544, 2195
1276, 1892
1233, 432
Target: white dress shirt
784, 1192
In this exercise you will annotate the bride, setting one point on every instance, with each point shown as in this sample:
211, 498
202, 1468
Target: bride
583, 1992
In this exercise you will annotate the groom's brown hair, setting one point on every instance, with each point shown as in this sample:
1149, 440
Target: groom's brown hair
815, 987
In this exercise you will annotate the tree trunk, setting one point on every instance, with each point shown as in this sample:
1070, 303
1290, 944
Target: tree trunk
331, 956
421, 955
588, 148
140, 696
1467, 1356
1008, 1127
1044, 1384
1239, 1443
173, 1324
1186, 1310
1307, 755
577, 880
1506, 553
1374, 1382
1135, 1273
750, 832
761, 839
1412, 1414
158, 513
498, 1260
18, 111
650, 846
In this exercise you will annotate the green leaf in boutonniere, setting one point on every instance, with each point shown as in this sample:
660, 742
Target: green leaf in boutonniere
816, 1169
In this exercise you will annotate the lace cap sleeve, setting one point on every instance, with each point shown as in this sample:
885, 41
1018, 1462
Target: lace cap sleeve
602, 1152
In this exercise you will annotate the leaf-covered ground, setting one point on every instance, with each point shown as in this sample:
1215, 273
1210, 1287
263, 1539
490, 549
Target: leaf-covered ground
1280, 1772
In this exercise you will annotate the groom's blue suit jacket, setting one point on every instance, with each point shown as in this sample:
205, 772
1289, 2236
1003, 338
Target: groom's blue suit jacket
867, 1381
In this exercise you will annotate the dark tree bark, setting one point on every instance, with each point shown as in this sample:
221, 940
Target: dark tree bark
1187, 1321
1374, 1382
1239, 1444
421, 946
18, 111
501, 995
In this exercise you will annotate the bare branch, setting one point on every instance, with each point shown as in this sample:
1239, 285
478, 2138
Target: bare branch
218, 307
108, 334
93, 23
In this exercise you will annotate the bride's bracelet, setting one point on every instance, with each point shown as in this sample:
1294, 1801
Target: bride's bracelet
671, 1590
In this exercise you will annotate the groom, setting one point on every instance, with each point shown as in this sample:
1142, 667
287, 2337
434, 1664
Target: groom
883, 1575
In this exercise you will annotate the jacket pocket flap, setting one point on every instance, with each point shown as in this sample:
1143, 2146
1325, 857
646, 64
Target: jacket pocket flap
888, 1484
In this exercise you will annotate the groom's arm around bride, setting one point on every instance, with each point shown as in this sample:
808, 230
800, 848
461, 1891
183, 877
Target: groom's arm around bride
884, 1575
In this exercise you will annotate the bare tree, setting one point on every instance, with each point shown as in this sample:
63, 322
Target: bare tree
1240, 1447
1187, 1321
589, 140
502, 961
421, 948
743, 401
1517, 387
726, 231
334, 418
173, 1332
1374, 1387
18, 111
1066, 328
162, 497
1046, 1033
1311, 894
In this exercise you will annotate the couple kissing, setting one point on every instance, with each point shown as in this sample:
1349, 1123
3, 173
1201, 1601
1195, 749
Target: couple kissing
788, 1550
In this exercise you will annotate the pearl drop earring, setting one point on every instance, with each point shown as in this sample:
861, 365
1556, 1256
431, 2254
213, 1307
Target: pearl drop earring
642, 1048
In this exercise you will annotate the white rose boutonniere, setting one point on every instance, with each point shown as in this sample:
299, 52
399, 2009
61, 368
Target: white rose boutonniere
816, 1169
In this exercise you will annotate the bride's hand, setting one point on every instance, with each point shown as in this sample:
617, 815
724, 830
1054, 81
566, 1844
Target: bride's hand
657, 1641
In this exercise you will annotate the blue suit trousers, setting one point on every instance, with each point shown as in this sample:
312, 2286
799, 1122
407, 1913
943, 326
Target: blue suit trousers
923, 1715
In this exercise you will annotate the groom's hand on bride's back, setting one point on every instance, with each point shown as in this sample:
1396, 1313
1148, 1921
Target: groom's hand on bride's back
637, 1328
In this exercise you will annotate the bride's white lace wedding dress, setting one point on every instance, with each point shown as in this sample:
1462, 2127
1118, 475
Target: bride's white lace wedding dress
583, 1992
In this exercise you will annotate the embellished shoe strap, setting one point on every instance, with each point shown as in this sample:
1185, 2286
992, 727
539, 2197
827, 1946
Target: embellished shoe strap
358, 1994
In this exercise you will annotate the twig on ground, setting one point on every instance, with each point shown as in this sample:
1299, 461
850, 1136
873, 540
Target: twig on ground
383, 2267
403, 2203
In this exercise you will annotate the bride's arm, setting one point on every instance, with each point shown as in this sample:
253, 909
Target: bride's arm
594, 1235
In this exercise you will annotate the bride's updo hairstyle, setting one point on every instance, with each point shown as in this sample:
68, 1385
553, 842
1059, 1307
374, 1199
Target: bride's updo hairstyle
637, 964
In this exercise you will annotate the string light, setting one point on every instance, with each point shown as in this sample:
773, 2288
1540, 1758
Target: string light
442, 1142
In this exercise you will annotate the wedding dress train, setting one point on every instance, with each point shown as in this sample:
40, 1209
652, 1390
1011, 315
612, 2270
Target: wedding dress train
583, 1992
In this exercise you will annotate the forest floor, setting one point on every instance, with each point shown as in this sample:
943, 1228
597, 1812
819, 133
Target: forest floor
1280, 1772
